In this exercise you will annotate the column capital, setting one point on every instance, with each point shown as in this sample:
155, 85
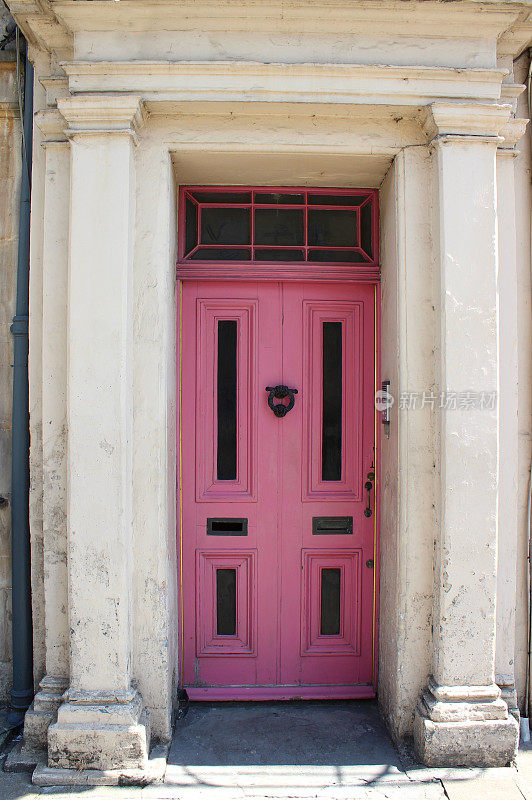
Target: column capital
52, 125
511, 132
101, 114
444, 121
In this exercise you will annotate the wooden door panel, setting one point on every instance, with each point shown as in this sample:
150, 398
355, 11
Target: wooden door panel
309, 658
278, 585
247, 656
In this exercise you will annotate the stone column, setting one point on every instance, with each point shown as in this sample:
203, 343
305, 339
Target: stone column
461, 718
101, 724
54, 383
508, 426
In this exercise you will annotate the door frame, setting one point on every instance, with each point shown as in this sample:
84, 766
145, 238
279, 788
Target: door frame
278, 272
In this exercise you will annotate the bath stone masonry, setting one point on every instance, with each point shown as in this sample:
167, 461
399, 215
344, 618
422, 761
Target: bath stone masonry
461, 717
101, 724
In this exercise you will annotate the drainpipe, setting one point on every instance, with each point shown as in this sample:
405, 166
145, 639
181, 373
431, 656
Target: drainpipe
22, 691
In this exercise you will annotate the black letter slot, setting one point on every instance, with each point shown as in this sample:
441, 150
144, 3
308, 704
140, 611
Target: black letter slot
332, 525
227, 526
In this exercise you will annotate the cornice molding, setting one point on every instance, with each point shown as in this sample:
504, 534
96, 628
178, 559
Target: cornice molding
103, 114
52, 125
55, 86
512, 132
52, 24
40, 25
511, 91
519, 36
387, 17
465, 120
262, 82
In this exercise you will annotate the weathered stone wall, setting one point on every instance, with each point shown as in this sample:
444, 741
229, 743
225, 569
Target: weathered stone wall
10, 164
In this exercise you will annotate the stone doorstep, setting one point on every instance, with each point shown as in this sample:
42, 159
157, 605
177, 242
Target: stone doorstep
154, 773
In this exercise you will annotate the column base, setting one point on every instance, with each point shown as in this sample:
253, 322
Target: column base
43, 711
100, 733
464, 726
509, 695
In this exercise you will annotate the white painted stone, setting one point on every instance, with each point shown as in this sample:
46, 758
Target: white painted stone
101, 725
508, 427
462, 697
407, 457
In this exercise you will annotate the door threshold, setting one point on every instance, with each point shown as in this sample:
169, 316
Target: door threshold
324, 692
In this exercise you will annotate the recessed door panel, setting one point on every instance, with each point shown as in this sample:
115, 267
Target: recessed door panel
331, 611
225, 387
332, 402
277, 538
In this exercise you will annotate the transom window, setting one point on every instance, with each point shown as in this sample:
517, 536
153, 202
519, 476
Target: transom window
220, 223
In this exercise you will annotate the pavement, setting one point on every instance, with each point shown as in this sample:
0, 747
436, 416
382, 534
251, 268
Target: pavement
333, 750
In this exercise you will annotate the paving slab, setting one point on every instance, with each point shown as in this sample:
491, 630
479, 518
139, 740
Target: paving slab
331, 734
284, 750
524, 771
486, 788
17, 786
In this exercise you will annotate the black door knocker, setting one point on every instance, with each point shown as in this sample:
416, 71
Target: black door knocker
279, 393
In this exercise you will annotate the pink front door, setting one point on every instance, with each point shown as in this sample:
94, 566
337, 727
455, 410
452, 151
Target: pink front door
278, 531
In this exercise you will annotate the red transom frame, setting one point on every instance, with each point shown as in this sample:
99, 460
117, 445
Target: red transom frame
365, 262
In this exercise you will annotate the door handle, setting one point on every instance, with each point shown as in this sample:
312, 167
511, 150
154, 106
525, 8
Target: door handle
370, 477
279, 393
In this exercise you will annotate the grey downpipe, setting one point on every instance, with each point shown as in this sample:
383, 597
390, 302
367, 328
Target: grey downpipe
22, 691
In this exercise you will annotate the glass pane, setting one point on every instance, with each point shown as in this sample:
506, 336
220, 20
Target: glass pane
225, 226
277, 227
222, 197
279, 198
330, 601
226, 400
349, 256
365, 224
277, 254
226, 602
336, 199
221, 254
191, 226
332, 228
331, 454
